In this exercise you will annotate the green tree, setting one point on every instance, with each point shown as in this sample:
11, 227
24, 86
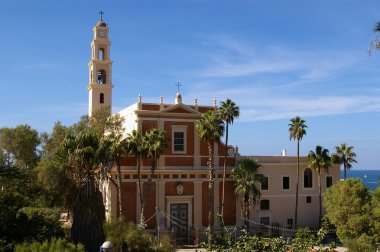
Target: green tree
21, 216
49, 170
110, 129
344, 156
20, 146
50, 143
297, 130
84, 154
319, 161
228, 112
210, 129
355, 211
136, 146
156, 144
246, 177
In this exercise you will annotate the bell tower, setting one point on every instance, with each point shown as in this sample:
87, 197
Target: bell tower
100, 67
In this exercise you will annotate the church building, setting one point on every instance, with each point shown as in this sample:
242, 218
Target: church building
179, 191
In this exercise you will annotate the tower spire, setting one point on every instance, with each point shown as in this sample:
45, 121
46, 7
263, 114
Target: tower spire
100, 68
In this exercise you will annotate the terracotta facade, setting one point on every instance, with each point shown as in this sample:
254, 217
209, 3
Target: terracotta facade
180, 186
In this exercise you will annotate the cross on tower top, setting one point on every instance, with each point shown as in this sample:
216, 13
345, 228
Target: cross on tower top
178, 85
101, 15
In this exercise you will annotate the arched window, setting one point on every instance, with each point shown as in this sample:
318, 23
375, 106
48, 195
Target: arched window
101, 98
102, 77
102, 55
264, 205
308, 178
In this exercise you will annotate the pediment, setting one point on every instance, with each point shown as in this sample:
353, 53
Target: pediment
180, 108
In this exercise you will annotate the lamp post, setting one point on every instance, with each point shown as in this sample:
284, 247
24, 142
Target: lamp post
106, 246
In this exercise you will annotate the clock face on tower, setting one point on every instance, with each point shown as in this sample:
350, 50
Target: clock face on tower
102, 34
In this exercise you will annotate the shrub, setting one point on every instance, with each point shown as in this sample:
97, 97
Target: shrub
128, 238
55, 245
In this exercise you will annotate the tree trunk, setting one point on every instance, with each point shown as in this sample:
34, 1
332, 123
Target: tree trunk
119, 187
152, 170
320, 199
224, 174
210, 191
297, 183
140, 190
88, 217
246, 211
345, 170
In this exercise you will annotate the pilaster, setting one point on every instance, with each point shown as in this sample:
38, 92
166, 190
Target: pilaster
216, 200
198, 204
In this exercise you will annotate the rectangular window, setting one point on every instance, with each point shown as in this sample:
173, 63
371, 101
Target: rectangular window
308, 199
329, 181
264, 205
290, 223
179, 141
265, 183
285, 183
265, 220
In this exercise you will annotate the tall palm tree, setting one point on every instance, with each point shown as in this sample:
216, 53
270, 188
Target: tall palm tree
110, 129
117, 148
297, 130
84, 155
377, 27
344, 156
228, 111
156, 144
210, 129
319, 161
136, 146
245, 176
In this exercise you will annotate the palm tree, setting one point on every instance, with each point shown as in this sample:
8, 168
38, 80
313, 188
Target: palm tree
319, 161
297, 129
84, 154
377, 27
117, 148
245, 176
210, 129
344, 156
110, 129
156, 144
228, 111
136, 146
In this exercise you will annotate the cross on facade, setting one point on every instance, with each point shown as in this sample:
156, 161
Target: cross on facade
101, 15
178, 85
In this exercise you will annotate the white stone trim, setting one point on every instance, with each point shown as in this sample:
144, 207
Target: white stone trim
183, 129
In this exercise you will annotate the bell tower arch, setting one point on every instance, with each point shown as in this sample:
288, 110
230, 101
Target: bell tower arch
100, 69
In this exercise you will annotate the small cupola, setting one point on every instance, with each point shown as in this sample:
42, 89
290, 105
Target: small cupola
178, 98
101, 23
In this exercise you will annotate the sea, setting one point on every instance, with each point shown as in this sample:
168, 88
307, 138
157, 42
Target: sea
370, 178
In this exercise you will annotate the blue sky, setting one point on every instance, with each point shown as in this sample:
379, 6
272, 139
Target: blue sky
275, 59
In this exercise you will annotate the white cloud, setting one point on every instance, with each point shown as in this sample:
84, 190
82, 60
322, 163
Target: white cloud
285, 108
232, 58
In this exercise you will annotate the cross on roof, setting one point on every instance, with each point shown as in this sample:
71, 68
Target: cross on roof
101, 15
178, 85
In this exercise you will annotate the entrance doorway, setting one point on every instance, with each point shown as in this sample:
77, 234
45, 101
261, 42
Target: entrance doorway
179, 222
